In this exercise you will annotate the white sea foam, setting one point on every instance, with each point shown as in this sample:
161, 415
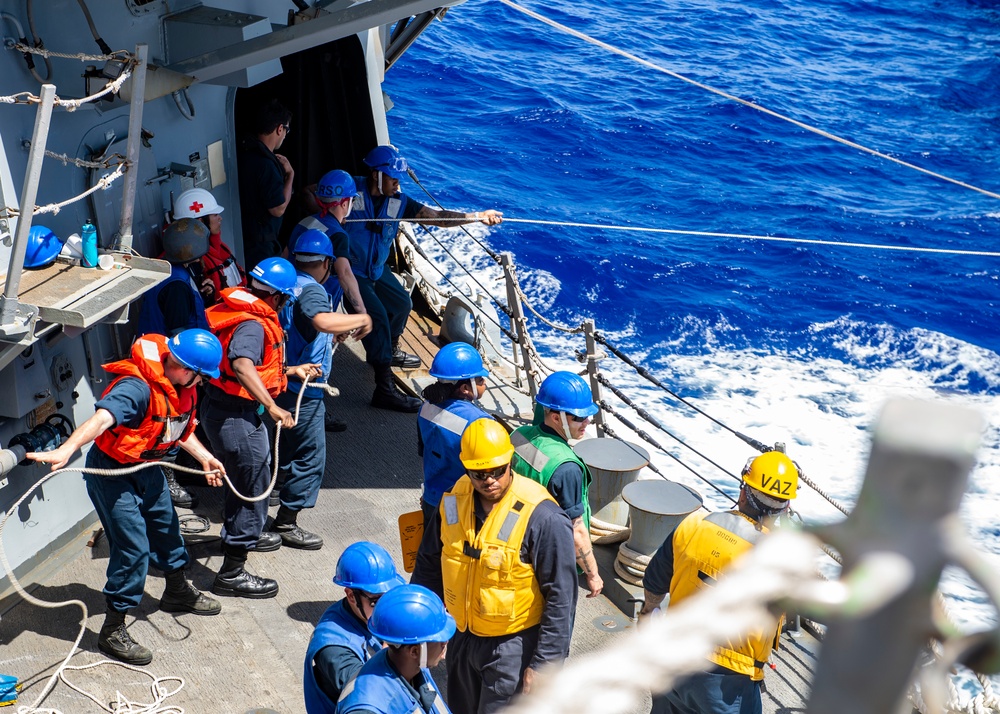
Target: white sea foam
822, 408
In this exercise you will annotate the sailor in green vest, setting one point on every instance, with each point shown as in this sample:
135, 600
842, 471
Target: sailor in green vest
542, 453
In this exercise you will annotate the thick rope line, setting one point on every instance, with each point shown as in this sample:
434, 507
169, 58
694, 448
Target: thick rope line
489, 251
741, 236
54, 208
423, 254
726, 95
16, 584
486, 291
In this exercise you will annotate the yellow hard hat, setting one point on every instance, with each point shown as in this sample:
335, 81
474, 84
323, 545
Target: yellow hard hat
485, 445
773, 474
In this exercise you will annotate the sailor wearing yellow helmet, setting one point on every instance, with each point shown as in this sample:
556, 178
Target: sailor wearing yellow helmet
499, 552
693, 557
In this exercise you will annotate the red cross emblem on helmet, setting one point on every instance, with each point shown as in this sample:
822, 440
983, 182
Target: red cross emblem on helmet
196, 207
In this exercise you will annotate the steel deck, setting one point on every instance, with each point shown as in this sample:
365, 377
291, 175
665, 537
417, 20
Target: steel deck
250, 657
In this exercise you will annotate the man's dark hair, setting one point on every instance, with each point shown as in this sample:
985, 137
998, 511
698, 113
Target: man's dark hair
270, 117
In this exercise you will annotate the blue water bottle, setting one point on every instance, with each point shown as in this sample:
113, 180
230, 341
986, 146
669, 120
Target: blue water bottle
88, 236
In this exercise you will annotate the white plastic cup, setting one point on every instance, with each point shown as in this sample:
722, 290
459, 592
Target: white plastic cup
106, 262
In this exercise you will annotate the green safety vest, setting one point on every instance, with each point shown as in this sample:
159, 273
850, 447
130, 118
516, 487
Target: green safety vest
537, 455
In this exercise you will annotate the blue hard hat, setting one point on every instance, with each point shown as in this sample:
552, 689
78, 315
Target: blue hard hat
336, 185
197, 349
566, 392
457, 361
409, 615
368, 567
387, 160
275, 273
43, 247
313, 242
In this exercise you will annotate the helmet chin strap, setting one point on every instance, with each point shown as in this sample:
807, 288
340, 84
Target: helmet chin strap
381, 188
565, 425
423, 655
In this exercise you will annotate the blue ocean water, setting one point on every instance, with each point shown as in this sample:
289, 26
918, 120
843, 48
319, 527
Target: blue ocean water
794, 343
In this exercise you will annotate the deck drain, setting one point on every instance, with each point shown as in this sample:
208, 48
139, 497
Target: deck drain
611, 623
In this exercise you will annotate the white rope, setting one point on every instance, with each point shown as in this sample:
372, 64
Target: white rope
742, 236
750, 236
124, 706
71, 105
604, 533
744, 102
54, 208
664, 649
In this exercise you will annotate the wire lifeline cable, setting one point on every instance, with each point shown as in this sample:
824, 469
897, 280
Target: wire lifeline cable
646, 437
752, 105
50, 683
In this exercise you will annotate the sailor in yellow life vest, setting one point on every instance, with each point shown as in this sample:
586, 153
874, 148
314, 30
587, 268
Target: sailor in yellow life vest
499, 552
693, 557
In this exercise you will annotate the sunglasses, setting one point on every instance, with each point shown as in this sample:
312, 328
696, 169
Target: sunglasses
372, 599
495, 474
577, 419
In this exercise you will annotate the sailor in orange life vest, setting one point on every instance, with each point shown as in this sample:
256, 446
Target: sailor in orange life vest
146, 410
218, 265
499, 551
253, 373
694, 557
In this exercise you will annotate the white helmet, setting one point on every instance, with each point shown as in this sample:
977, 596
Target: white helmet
196, 203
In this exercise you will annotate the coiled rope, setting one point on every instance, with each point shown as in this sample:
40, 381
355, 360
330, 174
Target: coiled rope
124, 706
752, 105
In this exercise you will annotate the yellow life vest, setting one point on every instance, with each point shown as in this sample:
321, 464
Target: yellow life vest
704, 545
487, 588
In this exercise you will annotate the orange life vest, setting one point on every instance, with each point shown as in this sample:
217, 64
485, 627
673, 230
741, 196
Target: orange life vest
220, 266
170, 416
238, 306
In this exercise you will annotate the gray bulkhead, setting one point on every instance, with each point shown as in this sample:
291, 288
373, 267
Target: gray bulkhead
60, 371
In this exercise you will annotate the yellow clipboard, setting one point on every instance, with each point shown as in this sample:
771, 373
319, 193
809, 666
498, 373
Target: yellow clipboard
411, 531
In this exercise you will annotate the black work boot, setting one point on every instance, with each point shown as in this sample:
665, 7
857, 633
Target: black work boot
234, 581
333, 425
181, 596
115, 641
292, 534
388, 396
179, 496
404, 359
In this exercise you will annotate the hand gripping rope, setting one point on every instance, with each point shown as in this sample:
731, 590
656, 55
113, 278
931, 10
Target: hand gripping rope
159, 692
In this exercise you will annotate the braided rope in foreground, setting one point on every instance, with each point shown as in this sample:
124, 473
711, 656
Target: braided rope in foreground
666, 648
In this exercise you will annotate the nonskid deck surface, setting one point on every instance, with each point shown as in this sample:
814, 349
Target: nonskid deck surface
251, 655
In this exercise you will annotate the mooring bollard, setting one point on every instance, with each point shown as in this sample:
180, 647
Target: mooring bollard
614, 464
655, 508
